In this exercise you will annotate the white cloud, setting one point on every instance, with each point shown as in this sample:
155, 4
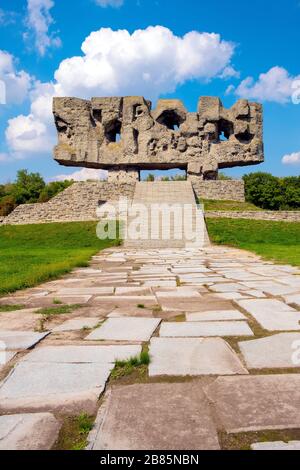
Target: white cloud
17, 83
149, 62
83, 175
109, 3
39, 21
275, 85
7, 17
291, 159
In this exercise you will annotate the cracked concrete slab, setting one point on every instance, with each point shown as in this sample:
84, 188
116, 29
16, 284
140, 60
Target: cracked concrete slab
174, 417
254, 403
193, 357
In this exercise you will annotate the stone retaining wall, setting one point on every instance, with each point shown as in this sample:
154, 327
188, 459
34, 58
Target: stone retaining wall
77, 203
222, 190
283, 216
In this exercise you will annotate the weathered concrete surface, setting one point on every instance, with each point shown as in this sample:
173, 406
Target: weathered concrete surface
155, 417
277, 351
88, 134
271, 314
48, 386
205, 329
279, 445
256, 403
125, 329
19, 340
217, 315
37, 431
192, 357
82, 354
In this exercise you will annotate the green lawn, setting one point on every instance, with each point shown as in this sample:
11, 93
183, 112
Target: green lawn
278, 241
30, 254
212, 205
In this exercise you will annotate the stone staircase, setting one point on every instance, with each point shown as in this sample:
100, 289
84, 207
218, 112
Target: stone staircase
166, 216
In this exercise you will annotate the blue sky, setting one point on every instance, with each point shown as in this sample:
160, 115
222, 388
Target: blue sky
41, 56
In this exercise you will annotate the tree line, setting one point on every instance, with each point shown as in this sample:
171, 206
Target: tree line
26, 189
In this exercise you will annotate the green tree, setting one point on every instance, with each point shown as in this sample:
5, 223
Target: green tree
7, 205
52, 189
27, 187
150, 177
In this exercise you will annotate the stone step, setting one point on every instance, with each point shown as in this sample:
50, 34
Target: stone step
160, 231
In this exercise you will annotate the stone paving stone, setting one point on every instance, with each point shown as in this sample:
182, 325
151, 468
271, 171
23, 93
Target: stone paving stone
37, 431
271, 287
125, 329
293, 299
205, 329
231, 295
174, 417
193, 357
215, 316
272, 314
85, 291
255, 403
5, 357
159, 283
178, 292
279, 445
135, 290
228, 287
272, 352
255, 293
131, 312
45, 386
20, 340
82, 354
65, 299
76, 324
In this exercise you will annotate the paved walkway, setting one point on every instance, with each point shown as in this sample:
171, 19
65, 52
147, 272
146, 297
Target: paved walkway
223, 333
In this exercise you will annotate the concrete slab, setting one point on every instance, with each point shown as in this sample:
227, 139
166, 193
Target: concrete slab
174, 417
135, 290
55, 387
82, 354
76, 324
193, 357
205, 329
217, 315
85, 291
20, 340
277, 351
255, 403
271, 287
272, 314
5, 357
228, 287
125, 329
37, 431
279, 445
293, 300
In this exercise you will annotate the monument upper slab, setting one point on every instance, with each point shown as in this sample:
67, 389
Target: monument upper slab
125, 133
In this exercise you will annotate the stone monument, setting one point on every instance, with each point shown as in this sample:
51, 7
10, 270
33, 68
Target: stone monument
124, 135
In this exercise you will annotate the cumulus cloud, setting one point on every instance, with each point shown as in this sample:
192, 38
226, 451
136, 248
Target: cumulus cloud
109, 3
148, 62
291, 159
39, 21
14, 83
83, 175
276, 85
